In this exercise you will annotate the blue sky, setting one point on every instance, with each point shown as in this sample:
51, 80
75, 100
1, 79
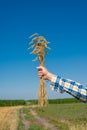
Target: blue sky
63, 23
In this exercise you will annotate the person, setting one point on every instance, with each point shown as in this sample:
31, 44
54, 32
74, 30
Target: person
62, 85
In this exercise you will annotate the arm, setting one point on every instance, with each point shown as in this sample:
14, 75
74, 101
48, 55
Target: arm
73, 88
64, 85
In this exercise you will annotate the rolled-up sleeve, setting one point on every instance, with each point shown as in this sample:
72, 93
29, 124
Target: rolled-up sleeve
55, 84
75, 89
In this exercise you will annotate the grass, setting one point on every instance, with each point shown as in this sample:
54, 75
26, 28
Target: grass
20, 125
66, 116
26, 117
36, 127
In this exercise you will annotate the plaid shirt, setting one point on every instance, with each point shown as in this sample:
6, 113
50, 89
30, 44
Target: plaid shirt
66, 85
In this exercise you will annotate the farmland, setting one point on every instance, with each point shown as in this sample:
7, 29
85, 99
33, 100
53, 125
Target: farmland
8, 118
66, 116
58, 115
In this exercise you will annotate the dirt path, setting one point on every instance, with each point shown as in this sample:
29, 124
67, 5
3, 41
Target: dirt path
39, 121
9, 119
25, 122
43, 121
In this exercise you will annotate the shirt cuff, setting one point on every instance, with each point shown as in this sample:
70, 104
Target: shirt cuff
53, 80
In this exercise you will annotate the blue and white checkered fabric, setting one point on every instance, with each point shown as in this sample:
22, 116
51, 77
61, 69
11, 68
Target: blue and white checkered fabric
73, 88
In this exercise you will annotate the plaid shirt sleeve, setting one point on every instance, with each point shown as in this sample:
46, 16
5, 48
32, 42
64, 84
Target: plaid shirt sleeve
66, 85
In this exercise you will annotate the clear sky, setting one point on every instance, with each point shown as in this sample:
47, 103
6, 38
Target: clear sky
63, 23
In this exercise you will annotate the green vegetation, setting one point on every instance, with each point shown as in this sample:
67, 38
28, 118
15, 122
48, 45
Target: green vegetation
63, 101
36, 127
12, 102
31, 102
20, 122
54, 101
27, 120
27, 115
34, 102
66, 116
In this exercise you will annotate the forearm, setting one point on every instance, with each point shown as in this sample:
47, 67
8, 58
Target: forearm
73, 88
63, 85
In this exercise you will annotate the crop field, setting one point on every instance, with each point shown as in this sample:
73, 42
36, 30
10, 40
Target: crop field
8, 118
67, 116
18, 118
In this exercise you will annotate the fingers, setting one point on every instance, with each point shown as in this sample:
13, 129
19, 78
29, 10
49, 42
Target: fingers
40, 68
40, 71
43, 72
40, 74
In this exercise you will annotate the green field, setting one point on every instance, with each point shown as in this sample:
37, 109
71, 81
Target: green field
64, 114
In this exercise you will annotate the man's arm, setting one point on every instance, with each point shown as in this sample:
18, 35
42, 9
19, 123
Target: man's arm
64, 85
73, 88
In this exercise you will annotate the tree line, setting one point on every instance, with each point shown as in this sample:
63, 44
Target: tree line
12, 102
33, 102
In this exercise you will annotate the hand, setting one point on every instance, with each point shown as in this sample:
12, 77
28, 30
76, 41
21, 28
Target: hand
43, 72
